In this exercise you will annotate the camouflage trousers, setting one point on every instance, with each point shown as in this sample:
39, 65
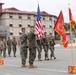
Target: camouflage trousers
9, 50
0, 52
32, 55
4, 52
46, 51
52, 51
23, 53
14, 50
39, 49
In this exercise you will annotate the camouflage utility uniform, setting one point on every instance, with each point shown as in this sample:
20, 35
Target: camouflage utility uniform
39, 48
32, 48
14, 44
51, 45
23, 49
1, 48
4, 48
9, 43
44, 42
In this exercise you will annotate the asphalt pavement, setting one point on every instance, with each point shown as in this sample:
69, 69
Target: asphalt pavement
12, 65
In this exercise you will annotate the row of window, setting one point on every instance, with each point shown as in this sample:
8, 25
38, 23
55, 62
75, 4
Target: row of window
29, 17
12, 33
20, 17
20, 25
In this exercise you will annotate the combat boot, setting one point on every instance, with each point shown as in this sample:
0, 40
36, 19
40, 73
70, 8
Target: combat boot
4, 56
14, 55
32, 66
9, 55
50, 58
54, 58
46, 58
23, 66
39, 59
0, 56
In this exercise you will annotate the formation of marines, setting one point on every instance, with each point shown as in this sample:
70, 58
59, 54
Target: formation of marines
29, 43
8, 44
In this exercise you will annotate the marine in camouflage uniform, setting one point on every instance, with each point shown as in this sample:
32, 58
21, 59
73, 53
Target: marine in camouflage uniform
32, 47
1, 47
14, 45
9, 43
4, 48
44, 42
23, 47
39, 48
51, 46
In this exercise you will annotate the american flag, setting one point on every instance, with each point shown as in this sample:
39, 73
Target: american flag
39, 27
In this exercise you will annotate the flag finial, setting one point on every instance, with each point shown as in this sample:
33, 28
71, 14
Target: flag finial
68, 4
38, 2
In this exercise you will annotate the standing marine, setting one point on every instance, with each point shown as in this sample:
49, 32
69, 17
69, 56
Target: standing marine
1, 47
51, 46
32, 47
39, 49
4, 48
23, 47
9, 44
14, 46
44, 42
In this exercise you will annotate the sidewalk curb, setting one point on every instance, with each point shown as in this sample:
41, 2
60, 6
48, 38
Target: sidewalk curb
58, 45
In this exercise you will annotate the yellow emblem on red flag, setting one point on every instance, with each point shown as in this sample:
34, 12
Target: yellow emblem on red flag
59, 28
71, 18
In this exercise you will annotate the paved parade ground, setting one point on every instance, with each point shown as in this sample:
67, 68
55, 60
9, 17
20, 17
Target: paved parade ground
12, 65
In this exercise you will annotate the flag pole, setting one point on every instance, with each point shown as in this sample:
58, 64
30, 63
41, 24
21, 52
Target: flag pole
38, 2
71, 68
71, 41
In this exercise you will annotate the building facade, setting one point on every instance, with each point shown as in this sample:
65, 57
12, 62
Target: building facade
16, 19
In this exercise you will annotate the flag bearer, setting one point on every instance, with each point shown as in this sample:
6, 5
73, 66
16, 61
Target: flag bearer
23, 48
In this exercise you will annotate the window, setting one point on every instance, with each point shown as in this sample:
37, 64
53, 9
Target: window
29, 25
43, 18
20, 17
28, 17
10, 16
50, 19
10, 24
20, 25
11, 33
20, 33
50, 26
44, 26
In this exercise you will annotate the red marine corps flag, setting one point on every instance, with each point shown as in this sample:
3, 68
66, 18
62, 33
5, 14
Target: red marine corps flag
39, 26
59, 28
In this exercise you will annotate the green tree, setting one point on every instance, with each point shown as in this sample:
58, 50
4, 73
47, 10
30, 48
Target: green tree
66, 27
75, 26
57, 36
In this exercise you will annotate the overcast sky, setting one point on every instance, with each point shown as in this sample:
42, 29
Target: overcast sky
50, 6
